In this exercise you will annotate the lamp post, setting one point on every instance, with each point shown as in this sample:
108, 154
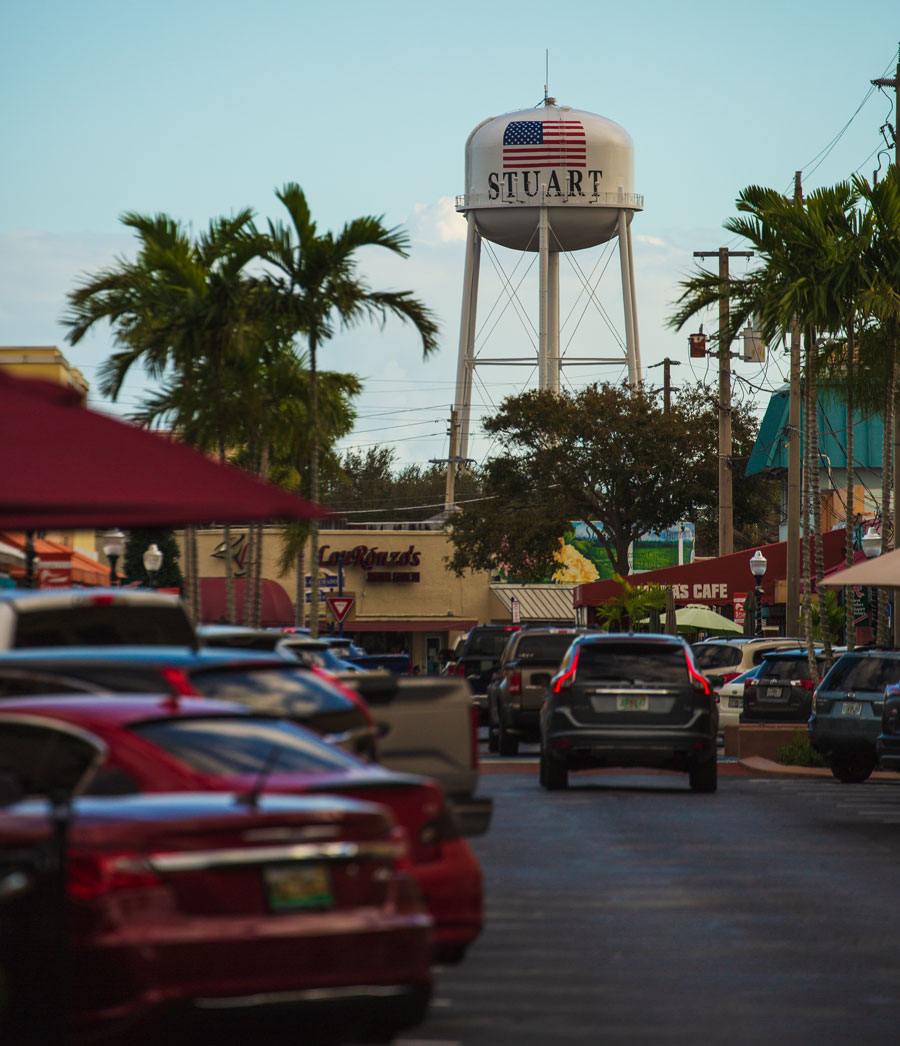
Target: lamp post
153, 560
871, 545
113, 547
758, 564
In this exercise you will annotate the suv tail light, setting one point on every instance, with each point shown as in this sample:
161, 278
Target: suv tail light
92, 875
728, 676
564, 682
515, 682
749, 684
459, 669
441, 829
699, 682
807, 684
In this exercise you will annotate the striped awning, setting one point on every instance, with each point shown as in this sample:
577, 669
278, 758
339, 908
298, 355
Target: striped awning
552, 603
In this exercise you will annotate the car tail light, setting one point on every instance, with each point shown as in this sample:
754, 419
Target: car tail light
459, 669
749, 684
807, 684
102, 601
444, 828
402, 852
565, 681
91, 875
728, 676
179, 683
699, 682
892, 720
515, 682
473, 735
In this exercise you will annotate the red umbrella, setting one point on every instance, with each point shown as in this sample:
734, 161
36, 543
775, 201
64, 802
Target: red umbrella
64, 466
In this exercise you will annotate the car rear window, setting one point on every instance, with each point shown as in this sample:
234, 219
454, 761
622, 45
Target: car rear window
632, 663
716, 655
104, 625
542, 648
242, 745
293, 692
486, 644
870, 672
788, 668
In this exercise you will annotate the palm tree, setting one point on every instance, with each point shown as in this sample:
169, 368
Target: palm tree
316, 288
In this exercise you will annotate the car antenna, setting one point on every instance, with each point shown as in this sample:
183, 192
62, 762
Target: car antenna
251, 798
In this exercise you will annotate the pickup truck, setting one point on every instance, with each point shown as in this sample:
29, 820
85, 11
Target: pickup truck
427, 725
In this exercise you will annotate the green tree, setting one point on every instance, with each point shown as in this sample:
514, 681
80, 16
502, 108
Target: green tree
169, 574
315, 288
631, 605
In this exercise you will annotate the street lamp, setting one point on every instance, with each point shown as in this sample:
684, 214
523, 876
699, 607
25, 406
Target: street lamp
871, 545
153, 560
113, 547
758, 564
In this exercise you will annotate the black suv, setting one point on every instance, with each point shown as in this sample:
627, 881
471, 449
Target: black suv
530, 659
782, 691
629, 700
478, 659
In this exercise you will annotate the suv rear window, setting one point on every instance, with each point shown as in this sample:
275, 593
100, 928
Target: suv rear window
787, 668
242, 745
104, 625
485, 644
542, 648
870, 672
715, 655
632, 663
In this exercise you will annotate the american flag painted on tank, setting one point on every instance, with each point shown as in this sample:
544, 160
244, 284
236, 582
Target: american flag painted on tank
544, 143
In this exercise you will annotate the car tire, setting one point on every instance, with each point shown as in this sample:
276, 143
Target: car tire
704, 777
554, 774
493, 740
853, 769
507, 743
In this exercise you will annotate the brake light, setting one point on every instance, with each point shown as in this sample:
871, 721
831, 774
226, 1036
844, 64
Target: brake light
459, 669
101, 601
402, 852
749, 684
92, 875
441, 829
515, 682
512, 628
807, 684
700, 684
728, 676
179, 683
565, 681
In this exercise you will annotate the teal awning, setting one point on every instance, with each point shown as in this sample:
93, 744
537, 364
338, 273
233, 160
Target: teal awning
771, 448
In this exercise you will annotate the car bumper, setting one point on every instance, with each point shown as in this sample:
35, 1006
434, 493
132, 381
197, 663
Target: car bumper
842, 734
453, 890
661, 747
474, 813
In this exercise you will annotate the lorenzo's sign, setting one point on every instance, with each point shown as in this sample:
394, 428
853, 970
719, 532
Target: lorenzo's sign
369, 559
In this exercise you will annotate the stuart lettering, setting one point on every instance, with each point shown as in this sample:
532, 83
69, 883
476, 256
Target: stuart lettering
596, 175
575, 183
493, 186
553, 185
526, 178
511, 178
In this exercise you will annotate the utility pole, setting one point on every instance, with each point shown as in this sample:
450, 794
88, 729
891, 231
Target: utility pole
667, 366
792, 566
726, 501
453, 462
885, 81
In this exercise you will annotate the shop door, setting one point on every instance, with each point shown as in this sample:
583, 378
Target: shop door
433, 645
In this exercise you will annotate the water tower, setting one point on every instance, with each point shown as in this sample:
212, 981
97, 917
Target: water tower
545, 180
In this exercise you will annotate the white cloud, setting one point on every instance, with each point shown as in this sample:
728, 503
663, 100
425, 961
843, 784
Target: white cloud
437, 222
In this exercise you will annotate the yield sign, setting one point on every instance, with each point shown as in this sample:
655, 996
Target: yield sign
340, 606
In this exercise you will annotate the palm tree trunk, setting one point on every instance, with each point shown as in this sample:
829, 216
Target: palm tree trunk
300, 589
190, 571
887, 475
314, 488
849, 513
806, 539
817, 507
250, 575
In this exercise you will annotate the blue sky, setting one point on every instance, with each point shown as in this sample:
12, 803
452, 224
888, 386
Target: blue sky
198, 108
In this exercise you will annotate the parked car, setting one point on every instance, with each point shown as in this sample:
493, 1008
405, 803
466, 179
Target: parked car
294, 646
531, 656
165, 745
266, 683
478, 659
55, 617
730, 697
887, 746
629, 700
847, 711
201, 908
722, 660
782, 690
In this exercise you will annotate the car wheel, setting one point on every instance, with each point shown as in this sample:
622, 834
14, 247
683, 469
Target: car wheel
493, 740
704, 777
507, 744
853, 769
554, 775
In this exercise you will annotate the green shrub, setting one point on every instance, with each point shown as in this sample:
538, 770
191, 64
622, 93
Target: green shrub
799, 752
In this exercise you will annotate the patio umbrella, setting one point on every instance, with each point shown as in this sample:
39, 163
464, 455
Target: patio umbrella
880, 572
699, 618
65, 466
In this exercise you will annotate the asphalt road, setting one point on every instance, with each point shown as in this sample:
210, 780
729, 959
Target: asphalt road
628, 910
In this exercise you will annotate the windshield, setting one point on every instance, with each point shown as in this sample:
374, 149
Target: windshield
486, 644
243, 745
788, 668
105, 625
293, 692
543, 648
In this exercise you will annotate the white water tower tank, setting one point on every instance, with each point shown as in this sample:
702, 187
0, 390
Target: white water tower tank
577, 164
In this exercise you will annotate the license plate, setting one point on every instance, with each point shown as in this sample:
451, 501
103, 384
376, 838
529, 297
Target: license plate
632, 703
851, 708
735, 702
289, 887
774, 693
486, 666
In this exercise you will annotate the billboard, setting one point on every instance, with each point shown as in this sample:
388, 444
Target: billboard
582, 558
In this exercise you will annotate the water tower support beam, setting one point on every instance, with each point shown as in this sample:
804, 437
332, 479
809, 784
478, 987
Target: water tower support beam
544, 299
553, 364
466, 360
627, 268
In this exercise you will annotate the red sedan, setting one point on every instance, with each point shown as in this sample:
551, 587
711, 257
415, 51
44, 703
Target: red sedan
189, 744
196, 910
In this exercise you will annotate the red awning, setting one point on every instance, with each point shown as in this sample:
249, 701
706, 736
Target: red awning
277, 608
715, 582
436, 624
57, 564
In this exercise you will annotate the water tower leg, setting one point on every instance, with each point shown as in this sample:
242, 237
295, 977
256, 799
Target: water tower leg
544, 299
553, 364
628, 298
634, 315
466, 360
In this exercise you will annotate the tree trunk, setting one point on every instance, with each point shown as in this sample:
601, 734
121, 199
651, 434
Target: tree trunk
849, 626
300, 589
249, 575
816, 537
314, 488
882, 638
806, 535
190, 571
